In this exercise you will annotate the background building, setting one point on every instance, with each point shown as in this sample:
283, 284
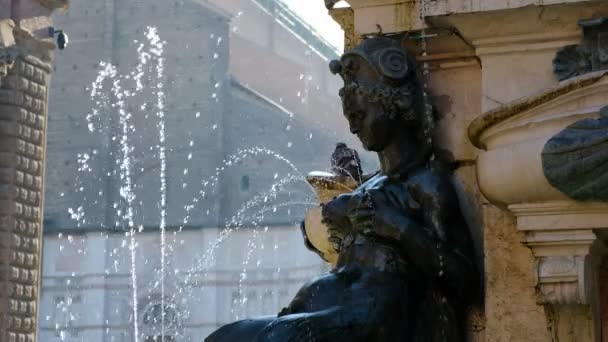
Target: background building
238, 75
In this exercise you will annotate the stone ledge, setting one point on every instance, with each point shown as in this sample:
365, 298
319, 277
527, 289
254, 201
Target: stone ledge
560, 215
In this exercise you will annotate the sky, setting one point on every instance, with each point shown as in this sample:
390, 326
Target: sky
315, 14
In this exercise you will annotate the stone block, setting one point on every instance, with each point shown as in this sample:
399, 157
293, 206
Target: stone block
6, 27
510, 305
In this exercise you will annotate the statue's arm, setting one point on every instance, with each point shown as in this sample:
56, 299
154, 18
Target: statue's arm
438, 243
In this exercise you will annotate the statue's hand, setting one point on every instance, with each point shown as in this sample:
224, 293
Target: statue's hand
362, 213
370, 213
335, 216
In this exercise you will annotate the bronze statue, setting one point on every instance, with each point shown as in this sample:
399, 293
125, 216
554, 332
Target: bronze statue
405, 270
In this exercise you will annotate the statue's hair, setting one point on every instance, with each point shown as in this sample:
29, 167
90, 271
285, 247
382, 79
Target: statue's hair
400, 91
395, 101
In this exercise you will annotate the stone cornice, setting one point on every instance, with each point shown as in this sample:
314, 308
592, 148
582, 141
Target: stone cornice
525, 42
447, 7
560, 215
345, 17
39, 48
503, 113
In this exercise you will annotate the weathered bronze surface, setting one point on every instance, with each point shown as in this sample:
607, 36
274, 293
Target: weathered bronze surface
575, 161
405, 269
591, 55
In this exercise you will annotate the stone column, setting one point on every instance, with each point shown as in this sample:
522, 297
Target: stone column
25, 68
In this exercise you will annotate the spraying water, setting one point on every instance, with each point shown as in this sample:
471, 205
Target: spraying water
112, 91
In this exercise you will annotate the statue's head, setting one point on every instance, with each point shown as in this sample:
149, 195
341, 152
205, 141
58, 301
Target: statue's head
381, 97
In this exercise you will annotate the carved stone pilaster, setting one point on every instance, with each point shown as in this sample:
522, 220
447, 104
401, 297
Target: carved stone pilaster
563, 239
23, 112
345, 17
564, 278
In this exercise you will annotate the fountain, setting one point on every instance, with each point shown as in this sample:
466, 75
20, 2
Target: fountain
153, 296
402, 251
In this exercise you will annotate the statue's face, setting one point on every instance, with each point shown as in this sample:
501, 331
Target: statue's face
375, 128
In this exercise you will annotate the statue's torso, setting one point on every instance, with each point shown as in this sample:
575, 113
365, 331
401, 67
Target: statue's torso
381, 255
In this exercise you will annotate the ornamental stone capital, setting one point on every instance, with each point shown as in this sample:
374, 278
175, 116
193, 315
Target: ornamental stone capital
566, 239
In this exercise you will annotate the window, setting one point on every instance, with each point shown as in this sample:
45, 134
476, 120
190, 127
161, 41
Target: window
67, 313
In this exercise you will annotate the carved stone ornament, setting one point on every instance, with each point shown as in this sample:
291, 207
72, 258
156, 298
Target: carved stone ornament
592, 55
7, 60
564, 239
405, 269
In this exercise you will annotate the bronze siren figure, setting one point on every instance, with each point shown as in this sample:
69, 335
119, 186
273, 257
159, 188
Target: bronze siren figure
405, 270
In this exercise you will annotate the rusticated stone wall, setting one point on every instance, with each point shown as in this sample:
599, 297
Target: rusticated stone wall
24, 78
23, 105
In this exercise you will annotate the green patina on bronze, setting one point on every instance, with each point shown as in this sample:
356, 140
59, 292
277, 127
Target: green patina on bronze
575, 161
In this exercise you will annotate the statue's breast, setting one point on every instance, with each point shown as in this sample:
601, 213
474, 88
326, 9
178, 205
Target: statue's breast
395, 193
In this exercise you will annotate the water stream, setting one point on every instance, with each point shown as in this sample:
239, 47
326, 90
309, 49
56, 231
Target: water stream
112, 91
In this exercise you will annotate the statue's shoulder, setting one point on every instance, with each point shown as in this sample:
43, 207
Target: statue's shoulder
432, 182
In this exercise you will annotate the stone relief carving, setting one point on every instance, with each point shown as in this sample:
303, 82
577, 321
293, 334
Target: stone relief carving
561, 280
591, 55
8, 51
405, 270
7, 60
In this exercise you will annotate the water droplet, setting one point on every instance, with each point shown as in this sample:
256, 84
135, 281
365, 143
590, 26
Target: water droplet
289, 144
198, 114
214, 127
189, 156
215, 55
62, 194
